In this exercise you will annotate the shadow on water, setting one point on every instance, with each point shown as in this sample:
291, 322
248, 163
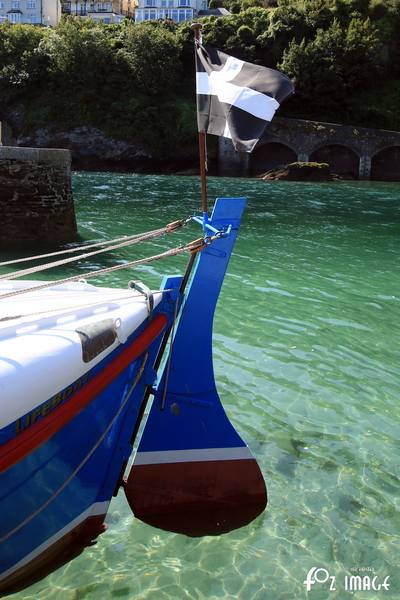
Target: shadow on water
14, 250
286, 465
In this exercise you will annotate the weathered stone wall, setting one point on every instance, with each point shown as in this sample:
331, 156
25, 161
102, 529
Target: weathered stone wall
36, 203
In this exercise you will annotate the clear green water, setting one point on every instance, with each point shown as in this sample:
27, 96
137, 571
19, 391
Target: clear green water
308, 365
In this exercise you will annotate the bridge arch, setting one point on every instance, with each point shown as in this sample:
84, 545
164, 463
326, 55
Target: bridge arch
272, 155
385, 164
5, 133
342, 159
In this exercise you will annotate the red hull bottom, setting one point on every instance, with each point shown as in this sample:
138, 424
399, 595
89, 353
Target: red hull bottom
197, 498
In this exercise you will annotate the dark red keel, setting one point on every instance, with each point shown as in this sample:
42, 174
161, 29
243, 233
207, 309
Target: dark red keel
197, 498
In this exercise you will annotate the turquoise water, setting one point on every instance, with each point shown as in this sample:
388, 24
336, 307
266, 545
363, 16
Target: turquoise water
307, 362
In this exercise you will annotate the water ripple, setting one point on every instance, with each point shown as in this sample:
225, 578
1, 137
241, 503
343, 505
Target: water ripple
307, 361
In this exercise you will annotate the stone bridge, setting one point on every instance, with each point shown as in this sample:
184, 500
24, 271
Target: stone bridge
354, 152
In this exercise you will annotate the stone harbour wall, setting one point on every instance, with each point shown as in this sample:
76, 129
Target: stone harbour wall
36, 203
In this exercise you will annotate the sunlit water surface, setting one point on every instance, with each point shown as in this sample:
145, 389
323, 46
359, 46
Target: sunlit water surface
307, 363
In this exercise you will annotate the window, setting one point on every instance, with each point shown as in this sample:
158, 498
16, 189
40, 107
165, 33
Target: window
15, 4
153, 15
31, 4
151, 3
1, 4
14, 17
102, 7
81, 8
184, 2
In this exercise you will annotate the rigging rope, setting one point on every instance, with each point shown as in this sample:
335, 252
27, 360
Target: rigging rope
193, 247
171, 227
69, 250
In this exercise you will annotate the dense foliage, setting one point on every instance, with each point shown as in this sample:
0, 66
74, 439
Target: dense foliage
137, 81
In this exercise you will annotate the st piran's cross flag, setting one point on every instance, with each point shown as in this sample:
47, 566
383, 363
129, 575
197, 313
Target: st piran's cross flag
236, 99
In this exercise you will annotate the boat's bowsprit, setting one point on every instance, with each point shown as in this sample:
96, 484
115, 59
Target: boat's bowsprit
192, 472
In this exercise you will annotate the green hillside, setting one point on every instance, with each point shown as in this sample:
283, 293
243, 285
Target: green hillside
137, 81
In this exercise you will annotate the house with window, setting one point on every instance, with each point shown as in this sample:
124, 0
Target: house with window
128, 8
106, 11
176, 10
34, 12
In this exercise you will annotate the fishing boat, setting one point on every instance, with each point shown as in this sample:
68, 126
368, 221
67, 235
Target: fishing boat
78, 366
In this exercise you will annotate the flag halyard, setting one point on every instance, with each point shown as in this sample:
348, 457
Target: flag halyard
236, 99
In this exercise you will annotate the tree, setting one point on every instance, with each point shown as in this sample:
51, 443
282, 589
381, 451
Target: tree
362, 56
287, 23
22, 66
335, 64
151, 54
80, 55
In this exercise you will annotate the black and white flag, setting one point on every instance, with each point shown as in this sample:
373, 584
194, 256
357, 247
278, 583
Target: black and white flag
236, 99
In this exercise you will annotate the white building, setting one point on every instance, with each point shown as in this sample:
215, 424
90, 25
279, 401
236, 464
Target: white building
106, 11
36, 12
176, 10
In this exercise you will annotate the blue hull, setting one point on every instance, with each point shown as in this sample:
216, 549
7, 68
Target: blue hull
192, 474
53, 501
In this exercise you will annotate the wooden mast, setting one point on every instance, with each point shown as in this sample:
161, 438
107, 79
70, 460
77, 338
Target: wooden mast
202, 137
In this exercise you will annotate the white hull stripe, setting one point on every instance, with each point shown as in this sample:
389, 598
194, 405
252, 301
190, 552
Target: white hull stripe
256, 103
195, 455
99, 508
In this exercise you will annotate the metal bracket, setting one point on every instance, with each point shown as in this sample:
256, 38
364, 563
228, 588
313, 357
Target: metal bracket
203, 221
140, 287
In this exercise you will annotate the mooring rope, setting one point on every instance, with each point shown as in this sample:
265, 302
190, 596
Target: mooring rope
70, 250
193, 247
120, 244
